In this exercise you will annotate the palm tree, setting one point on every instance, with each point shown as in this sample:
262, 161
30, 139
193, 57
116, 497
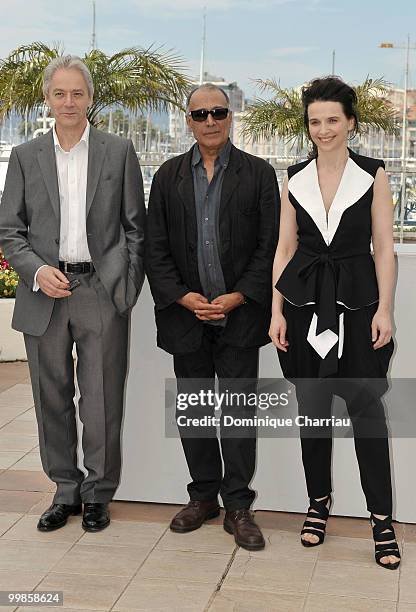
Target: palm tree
282, 114
134, 79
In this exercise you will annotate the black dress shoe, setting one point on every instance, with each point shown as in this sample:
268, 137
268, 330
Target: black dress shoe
57, 515
194, 515
96, 517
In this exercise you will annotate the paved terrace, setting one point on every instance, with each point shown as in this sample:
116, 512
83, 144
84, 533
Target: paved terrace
138, 564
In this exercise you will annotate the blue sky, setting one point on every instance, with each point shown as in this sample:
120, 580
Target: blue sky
290, 40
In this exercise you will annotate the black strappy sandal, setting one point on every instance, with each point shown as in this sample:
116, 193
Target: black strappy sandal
316, 528
382, 549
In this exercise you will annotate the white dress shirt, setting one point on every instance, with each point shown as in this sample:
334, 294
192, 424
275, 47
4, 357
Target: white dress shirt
72, 168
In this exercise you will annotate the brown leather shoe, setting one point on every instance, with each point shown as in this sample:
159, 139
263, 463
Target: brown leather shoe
193, 515
241, 525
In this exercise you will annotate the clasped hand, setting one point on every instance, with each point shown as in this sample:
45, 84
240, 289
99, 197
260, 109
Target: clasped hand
211, 311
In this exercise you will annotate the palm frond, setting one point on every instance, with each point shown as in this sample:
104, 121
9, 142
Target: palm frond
282, 113
137, 79
374, 107
21, 75
134, 78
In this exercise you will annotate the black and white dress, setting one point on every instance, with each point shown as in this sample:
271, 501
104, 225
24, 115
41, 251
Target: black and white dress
330, 287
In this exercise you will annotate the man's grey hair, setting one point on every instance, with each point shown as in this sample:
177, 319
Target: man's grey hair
67, 61
210, 87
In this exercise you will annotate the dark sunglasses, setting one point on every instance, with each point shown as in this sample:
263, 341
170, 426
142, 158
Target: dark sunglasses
202, 114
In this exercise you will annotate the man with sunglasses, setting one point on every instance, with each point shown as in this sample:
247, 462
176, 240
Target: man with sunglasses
212, 230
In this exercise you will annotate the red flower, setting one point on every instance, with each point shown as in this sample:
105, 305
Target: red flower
4, 264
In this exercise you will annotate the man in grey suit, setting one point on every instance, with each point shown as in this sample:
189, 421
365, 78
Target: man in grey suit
72, 225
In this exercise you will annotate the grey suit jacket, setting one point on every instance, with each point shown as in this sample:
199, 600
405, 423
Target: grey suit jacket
30, 222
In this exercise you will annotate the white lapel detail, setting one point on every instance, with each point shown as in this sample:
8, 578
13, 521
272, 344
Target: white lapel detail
304, 186
355, 182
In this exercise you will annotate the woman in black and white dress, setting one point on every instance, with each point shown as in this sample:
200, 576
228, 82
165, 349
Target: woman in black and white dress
331, 319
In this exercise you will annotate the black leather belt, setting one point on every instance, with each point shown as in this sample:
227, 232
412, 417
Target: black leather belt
82, 267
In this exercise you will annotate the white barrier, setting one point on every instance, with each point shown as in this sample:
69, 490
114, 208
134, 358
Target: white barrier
154, 467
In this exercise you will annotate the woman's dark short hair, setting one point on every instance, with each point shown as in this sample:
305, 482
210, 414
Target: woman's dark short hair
330, 89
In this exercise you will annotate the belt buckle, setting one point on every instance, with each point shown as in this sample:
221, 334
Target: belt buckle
66, 267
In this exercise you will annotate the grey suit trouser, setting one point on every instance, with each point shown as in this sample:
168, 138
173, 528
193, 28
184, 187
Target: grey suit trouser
100, 333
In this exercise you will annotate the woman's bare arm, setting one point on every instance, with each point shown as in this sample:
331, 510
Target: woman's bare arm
287, 245
382, 236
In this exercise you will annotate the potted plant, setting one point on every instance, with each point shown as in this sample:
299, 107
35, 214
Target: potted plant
12, 346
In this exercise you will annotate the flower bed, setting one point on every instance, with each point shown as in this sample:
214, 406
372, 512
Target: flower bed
12, 346
8, 279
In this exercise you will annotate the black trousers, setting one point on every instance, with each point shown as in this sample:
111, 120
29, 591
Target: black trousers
367, 416
237, 371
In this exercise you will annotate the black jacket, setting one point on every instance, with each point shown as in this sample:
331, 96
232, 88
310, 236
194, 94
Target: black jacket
248, 231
